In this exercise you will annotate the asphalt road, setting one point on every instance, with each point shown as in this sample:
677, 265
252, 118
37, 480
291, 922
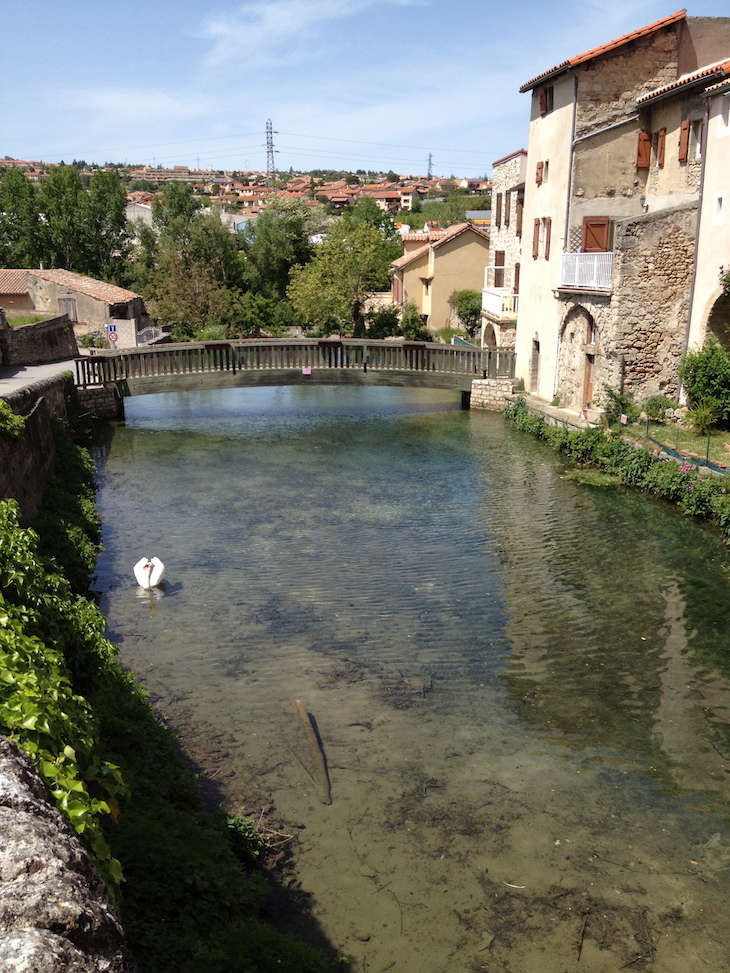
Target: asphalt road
14, 377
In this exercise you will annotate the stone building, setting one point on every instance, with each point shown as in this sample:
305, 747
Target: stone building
613, 176
500, 294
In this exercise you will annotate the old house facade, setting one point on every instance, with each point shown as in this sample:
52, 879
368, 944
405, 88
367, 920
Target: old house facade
500, 294
612, 189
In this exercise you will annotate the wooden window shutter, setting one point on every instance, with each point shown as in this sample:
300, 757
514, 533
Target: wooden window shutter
536, 240
506, 209
548, 227
516, 285
643, 152
660, 146
543, 101
538, 173
595, 234
498, 217
684, 141
520, 210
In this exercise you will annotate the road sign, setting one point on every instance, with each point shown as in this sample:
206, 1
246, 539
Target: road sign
112, 328
113, 336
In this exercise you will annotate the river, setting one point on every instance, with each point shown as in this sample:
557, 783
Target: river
520, 680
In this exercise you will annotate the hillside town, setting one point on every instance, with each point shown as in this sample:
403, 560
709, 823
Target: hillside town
599, 260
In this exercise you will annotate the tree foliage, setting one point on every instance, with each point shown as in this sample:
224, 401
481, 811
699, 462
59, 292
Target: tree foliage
467, 304
705, 374
352, 261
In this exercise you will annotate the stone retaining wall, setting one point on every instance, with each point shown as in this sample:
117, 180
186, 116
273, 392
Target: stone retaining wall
54, 909
26, 464
101, 403
37, 344
491, 393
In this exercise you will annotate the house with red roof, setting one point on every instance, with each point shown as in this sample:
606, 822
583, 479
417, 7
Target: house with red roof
614, 165
447, 261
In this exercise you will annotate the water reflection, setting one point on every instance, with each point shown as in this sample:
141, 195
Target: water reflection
519, 680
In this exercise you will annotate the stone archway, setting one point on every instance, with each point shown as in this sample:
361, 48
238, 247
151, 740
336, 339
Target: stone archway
489, 338
576, 359
718, 321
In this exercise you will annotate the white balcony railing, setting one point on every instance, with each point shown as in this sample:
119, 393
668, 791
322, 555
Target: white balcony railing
592, 271
500, 302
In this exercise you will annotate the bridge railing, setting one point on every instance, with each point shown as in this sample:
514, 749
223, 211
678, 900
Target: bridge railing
261, 355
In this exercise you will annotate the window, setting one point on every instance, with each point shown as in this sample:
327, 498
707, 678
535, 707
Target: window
548, 227
723, 120
546, 100
684, 141
661, 142
499, 268
718, 209
539, 172
520, 210
596, 232
536, 240
498, 216
698, 131
643, 152
516, 285
506, 208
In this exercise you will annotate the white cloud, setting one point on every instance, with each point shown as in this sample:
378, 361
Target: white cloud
259, 28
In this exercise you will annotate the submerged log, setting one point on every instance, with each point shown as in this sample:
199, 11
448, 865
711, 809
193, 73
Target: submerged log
319, 762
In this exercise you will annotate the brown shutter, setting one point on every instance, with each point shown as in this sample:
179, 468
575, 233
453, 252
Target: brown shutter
643, 152
660, 146
538, 172
684, 141
516, 286
520, 210
543, 101
548, 227
595, 234
498, 218
536, 240
506, 209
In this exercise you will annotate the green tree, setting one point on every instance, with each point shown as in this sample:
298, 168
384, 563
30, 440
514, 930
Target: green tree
468, 306
352, 261
21, 243
279, 239
63, 202
106, 227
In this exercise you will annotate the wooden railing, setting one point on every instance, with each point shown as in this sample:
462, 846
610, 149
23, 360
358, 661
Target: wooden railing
264, 355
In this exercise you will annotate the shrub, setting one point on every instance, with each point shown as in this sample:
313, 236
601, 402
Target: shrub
706, 374
656, 408
616, 404
704, 414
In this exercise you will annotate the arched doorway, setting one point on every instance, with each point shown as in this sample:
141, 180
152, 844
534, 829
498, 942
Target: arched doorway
489, 339
576, 375
535, 366
718, 322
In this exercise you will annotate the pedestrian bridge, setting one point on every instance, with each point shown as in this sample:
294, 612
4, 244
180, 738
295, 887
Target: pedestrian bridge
256, 362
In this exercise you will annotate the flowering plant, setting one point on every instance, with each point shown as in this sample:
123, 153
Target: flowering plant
725, 280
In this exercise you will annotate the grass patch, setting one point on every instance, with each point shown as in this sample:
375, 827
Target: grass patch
17, 320
683, 440
591, 477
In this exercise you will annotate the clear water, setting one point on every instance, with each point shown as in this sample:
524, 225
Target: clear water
520, 681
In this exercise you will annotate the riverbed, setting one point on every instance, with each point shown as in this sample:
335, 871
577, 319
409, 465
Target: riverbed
519, 681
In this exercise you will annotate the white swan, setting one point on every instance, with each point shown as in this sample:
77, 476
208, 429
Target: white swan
149, 572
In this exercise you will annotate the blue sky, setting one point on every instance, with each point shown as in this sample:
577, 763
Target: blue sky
348, 84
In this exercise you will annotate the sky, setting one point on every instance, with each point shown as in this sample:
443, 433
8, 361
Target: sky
347, 84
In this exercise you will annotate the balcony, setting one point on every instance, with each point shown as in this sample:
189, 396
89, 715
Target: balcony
500, 303
586, 271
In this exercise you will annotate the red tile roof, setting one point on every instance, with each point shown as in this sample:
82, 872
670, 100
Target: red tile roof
98, 289
13, 281
447, 236
606, 48
711, 72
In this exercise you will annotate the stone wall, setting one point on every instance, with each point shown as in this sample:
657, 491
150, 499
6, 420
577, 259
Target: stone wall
37, 344
101, 403
491, 393
27, 464
641, 327
54, 909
